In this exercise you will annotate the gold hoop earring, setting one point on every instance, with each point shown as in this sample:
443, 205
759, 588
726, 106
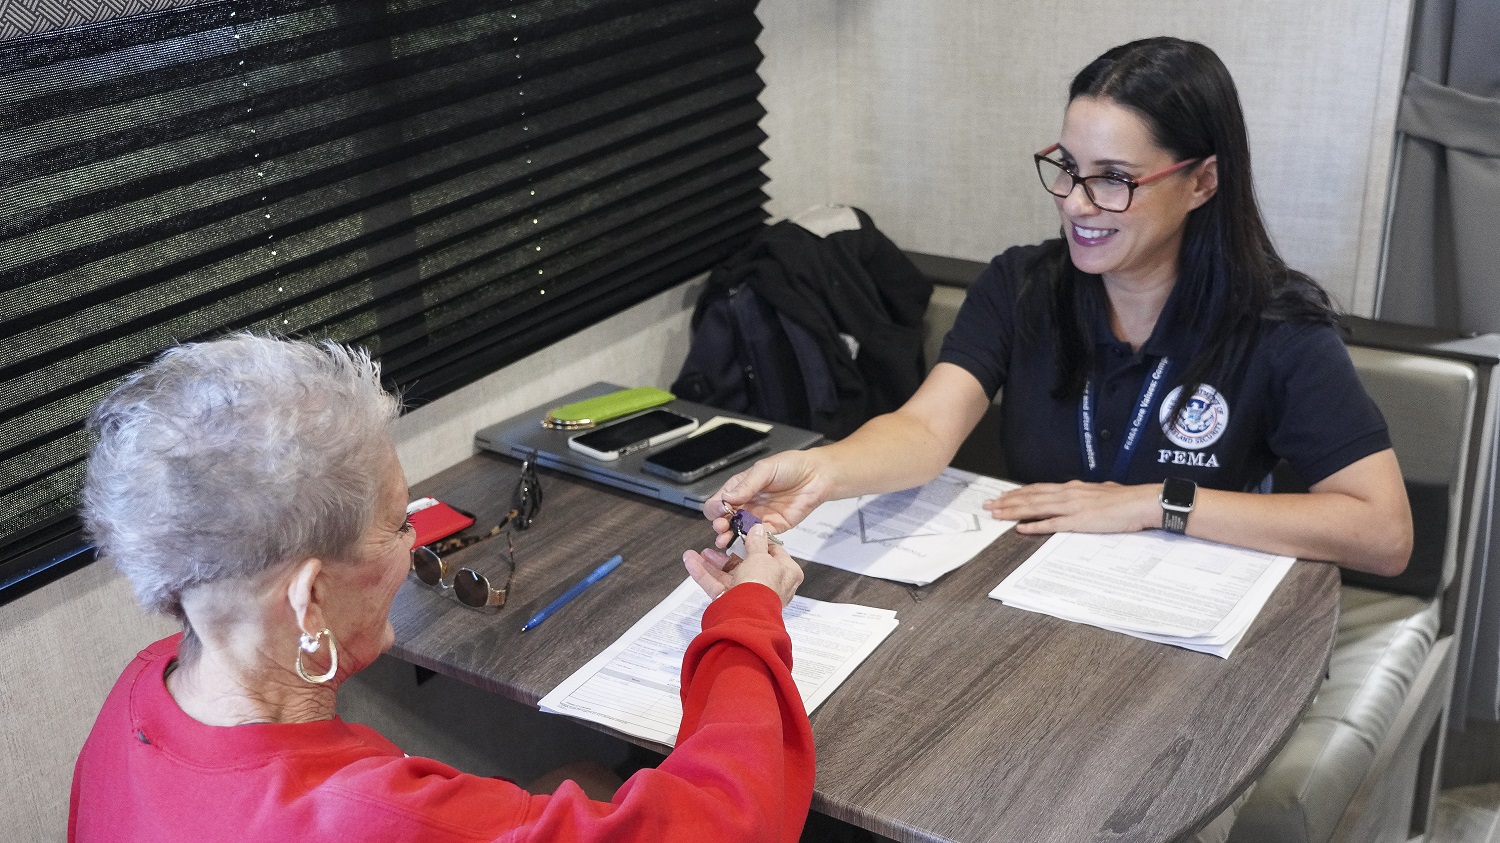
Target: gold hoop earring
311, 644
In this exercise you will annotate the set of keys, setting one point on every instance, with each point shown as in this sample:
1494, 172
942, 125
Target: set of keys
740, 523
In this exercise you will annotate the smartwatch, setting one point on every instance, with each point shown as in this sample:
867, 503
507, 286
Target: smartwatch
1177, 496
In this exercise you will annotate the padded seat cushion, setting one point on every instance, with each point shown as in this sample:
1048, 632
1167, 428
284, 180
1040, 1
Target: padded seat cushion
937, 321
1382, 642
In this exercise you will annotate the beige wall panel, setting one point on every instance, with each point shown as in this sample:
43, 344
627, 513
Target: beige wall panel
800, 44
61, 649
939, 105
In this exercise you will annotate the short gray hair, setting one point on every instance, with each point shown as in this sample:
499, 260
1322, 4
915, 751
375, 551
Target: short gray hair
224, 459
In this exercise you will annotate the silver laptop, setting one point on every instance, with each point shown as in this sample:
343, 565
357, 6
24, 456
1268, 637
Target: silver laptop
523, 437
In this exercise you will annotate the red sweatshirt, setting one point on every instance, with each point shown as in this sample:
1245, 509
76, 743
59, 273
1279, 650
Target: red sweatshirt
742, 769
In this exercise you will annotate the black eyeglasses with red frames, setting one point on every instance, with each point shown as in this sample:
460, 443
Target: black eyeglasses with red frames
470, 587
1108, 192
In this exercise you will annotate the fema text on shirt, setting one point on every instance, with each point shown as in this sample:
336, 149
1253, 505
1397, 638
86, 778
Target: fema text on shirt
1171, 456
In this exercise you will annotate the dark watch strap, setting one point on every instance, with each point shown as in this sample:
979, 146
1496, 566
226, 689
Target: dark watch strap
1173, 521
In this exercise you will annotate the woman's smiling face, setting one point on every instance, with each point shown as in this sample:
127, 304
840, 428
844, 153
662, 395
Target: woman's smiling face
1142, 243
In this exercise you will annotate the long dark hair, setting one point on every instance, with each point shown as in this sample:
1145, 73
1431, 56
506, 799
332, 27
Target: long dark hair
1229, 274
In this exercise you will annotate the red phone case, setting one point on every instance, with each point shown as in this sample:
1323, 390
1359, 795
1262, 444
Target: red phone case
438, 521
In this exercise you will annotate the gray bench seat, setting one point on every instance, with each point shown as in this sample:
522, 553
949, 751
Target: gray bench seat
1382, 645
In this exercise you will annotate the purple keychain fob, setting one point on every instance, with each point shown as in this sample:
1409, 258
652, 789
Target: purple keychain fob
741, 522
739, 525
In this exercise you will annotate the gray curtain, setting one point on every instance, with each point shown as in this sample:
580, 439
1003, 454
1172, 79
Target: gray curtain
1443, 260
1443, 252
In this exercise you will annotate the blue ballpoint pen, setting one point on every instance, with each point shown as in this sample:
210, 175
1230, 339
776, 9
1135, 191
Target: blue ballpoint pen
577, 589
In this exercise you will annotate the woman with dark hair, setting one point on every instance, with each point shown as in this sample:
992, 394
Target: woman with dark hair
1157, 361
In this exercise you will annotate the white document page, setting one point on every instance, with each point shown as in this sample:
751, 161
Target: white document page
1155, 585
914, 536
634, 686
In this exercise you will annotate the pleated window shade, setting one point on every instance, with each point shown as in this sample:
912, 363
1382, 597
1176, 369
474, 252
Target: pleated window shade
451, 185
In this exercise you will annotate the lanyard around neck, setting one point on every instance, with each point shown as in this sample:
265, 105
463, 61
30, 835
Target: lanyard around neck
1088, 441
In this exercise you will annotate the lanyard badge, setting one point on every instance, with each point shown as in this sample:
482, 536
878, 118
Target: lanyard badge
1088, 408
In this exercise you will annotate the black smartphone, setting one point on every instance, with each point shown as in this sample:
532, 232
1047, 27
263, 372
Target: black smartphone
707, 452
632, 434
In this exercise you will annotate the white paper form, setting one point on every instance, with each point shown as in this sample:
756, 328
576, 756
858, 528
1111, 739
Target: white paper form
1154, 585
914, 536
634, 686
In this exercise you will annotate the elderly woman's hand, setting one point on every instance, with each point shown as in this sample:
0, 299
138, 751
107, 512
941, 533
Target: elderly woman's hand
765, 563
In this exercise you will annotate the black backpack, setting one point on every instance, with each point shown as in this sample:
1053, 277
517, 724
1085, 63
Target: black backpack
818, 332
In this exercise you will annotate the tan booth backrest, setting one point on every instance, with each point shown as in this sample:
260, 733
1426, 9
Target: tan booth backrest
1428, 403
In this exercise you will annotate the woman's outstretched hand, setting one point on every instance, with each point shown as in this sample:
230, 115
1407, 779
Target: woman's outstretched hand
781, 490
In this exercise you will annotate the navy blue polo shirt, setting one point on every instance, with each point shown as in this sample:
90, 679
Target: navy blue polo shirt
1296, 397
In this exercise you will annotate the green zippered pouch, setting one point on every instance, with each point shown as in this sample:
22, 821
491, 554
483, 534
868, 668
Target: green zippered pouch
593, 411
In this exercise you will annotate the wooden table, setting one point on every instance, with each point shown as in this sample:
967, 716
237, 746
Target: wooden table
974, 721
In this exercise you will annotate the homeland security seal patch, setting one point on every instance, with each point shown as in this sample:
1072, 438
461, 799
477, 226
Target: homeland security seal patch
1203, 418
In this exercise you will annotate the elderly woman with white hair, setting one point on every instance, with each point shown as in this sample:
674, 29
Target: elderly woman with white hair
250, 488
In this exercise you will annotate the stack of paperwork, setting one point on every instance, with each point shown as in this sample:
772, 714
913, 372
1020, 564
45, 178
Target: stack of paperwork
1153, 585
914, 536
634, 686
